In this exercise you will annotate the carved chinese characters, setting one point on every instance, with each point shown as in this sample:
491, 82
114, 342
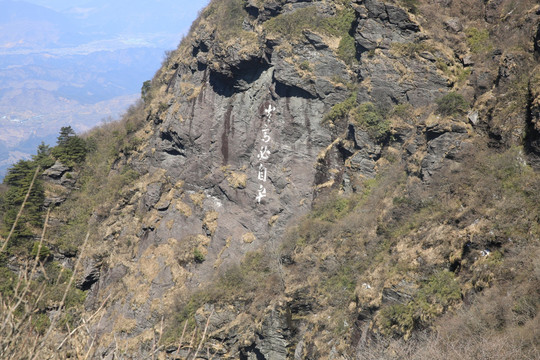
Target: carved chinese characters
264, 153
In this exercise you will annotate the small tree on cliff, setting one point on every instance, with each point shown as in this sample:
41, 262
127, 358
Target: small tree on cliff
66, 133
44, 157
18, 181
70, 148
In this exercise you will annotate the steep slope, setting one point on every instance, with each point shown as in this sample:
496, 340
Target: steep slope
325, 179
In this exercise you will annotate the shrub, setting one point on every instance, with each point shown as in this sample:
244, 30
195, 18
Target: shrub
410, 49
8, 281
145, 91
41, 323
433, 299
441, 65
347, 50
440, 290
368, 117
403, 111
340, 24
293, 24
462, 74
44, 252
254, 279
365, 115
410, 5
452, 104
198, 256
339, 285
396, 320
304, 65
43, 157
332, 208
478, 40
341, 110
226, 15
252, 276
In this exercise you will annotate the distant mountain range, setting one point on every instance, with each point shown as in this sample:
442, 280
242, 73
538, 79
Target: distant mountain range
77, 65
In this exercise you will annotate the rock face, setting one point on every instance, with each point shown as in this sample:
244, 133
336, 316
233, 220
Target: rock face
537, 42
381, 24
237, 149
533, 134
56, 171
394, 78
273, 340
59, 175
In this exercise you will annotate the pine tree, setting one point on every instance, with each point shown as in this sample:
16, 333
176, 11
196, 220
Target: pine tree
66, 132
43, 157
18, 180
70, 149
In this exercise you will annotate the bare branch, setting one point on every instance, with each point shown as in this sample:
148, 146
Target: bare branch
204, 335
83, 322
62, 302
181, 338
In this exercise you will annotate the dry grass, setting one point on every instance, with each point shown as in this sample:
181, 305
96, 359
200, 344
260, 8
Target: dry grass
483, 330
394, 231
28, 333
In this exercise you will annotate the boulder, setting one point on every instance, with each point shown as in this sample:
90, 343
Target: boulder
56, 171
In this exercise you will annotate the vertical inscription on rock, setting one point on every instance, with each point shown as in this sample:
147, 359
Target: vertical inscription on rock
264, 153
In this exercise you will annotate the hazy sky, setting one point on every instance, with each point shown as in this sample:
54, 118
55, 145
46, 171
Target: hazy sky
60, 5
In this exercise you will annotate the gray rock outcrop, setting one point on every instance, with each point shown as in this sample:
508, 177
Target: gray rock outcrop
237, 151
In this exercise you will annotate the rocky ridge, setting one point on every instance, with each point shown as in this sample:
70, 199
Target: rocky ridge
252, 122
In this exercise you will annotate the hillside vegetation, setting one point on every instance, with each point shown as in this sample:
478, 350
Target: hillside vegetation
400, 216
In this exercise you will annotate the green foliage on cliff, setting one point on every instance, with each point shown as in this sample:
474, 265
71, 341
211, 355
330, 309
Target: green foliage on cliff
42, 252
309, 18
145, 91
226, 15
478, 40
292, 24
102, 177
18, 181
401, 229
8, 281
347, 50
43, 157
255, 280
369, 118
70, 148
366, 115
495, 186
198, 256
41, 283
340, 110
410, 49
339, 25
432, 299
452, 104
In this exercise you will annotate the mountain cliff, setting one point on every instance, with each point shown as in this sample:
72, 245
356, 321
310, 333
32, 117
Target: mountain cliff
305, 180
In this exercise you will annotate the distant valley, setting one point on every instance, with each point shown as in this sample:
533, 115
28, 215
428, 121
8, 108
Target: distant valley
77, 66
